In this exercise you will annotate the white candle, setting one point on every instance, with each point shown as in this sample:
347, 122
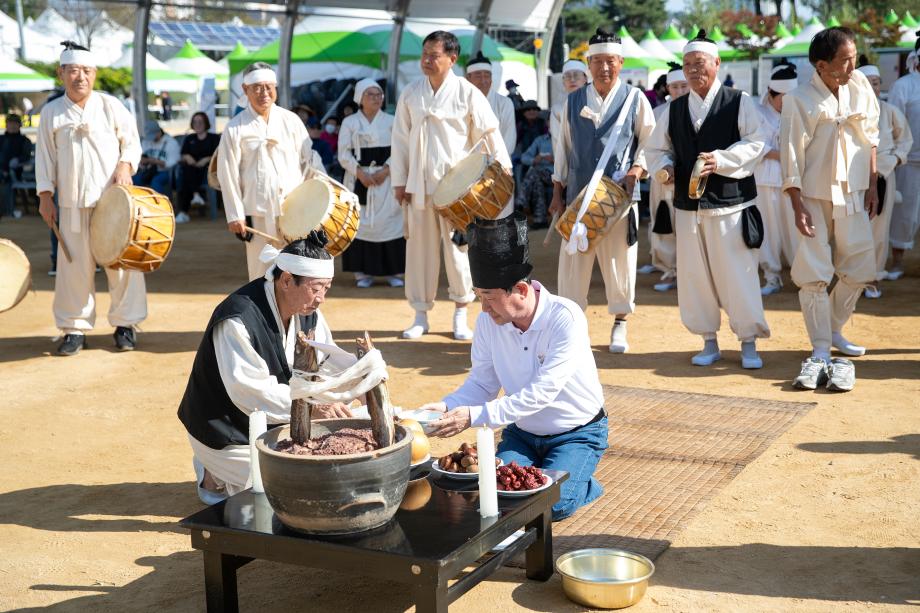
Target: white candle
488, 490
257, 427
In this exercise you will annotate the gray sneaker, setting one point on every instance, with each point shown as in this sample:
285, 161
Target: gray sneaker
813, 373
842, 375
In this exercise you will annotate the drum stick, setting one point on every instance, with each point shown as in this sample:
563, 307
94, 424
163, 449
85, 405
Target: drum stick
549, 232
263, 234
60, 239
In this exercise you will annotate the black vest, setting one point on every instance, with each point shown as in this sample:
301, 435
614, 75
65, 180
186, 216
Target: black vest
206, 411
719, 131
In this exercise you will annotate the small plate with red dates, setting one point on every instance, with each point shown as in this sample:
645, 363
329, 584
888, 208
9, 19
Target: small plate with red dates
515, 481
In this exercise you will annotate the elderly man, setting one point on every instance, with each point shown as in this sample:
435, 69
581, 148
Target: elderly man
87, 141
611, 120
718, 232
245, 359
439, 119
828, 141
479, 73
161, 154
662, 241
895, 141
535, 347
264, 154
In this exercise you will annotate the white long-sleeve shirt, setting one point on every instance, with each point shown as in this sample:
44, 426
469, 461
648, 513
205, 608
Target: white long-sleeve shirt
436, 130
504, 111
768, 172
77, 149
600, 107
895, 139
548, 373
736, 162
259, 163
166, 149
244, 372
904, 95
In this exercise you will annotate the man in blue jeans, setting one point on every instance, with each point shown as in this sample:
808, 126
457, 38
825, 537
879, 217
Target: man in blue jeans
534, 346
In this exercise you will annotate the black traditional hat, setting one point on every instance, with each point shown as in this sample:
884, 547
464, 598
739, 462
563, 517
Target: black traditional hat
498, 252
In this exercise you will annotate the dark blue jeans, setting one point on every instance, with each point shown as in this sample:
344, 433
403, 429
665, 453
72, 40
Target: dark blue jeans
159, 183
575, 452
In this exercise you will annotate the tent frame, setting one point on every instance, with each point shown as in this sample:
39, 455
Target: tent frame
290, 9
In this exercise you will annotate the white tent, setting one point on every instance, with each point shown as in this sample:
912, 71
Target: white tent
14, 77
189, 60
655, 49
160, 77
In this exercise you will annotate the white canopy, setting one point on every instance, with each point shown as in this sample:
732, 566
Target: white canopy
14, 77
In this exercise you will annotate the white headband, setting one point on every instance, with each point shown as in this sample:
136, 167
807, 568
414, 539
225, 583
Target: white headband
78, 57
260, 75
870, 71
783, 86
479, 66
702, 46
608, 48
362, 86
674, 76
295, 264
574, 65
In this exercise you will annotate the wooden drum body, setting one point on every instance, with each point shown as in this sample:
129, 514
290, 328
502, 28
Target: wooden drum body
321, 203
15, 275
478, 186
132, 227
608, 206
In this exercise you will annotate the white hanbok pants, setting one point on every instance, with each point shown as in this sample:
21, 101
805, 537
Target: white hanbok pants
905, 218
842, 246
663, 246
429, 236
254, 266
780, 234
881, 226
230, 468
617, 261
715, 269
74, 304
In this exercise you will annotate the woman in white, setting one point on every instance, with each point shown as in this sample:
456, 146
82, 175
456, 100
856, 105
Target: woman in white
574, 76
780, 236
379, 249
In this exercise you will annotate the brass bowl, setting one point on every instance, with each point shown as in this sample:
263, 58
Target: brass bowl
698, 183
604, 578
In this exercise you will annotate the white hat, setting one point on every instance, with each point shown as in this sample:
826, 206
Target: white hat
702, 44
783, 78
362, 86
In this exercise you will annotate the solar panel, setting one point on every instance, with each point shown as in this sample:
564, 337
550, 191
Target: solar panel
214, 36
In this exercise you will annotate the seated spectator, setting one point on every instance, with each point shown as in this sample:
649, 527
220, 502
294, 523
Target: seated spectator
537, 188
197, 149
320, 145
531, 125
304, 112
349, 108
15, 150
330, 133
161, 153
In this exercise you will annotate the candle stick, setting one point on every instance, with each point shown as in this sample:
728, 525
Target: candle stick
488, 490
257, 427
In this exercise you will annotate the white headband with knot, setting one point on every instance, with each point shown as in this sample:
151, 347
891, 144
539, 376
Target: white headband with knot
870, 71
703, 46
574, 65
295, 264
675, 76
608, 48
479, 66
260, 75
79, 57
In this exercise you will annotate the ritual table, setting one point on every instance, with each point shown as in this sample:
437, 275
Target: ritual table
425, 548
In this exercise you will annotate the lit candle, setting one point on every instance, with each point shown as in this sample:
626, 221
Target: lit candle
257, 427
488, 490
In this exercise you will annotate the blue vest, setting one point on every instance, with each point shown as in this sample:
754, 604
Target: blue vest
587, 147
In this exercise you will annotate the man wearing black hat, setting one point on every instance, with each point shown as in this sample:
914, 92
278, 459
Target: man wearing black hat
535, 347
479, 73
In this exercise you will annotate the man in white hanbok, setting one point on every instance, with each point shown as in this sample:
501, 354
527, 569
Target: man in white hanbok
264, 153
895, 141
86, 142
439, 119
379, 249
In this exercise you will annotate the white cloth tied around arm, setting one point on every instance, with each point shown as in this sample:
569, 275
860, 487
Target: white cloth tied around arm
353, 382
578, 239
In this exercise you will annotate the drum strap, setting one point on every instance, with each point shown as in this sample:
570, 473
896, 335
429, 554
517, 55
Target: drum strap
578, 239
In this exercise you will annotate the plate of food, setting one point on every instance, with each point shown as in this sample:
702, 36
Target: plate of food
461, 464
515, 481
422, 416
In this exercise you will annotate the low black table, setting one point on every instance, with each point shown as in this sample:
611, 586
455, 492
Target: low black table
425, 547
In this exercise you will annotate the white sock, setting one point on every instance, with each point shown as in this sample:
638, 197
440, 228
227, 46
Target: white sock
618, 342
418, 327
462, 331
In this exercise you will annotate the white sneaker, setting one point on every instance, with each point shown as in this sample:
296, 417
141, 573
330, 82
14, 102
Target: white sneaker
846, 347
419, 327
665, 286
895, 273
197, 199
462, 331
618, 342
396, 282
183, 217
17, 214
772, 286
364, 282
872, 292
646, 270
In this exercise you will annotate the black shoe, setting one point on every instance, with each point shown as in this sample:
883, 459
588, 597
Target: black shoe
539, 225
125, 339
72, 344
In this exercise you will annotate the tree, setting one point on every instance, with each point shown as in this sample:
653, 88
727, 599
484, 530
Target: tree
636, 15
581, 22
750, 33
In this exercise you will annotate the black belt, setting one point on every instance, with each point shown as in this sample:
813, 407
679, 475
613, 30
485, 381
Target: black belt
600, 415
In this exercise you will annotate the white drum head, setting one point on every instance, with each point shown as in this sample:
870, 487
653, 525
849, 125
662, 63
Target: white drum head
15, 278
110, 225
460, 179
305, 208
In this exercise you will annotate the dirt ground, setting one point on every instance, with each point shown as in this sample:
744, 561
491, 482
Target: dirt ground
97, 469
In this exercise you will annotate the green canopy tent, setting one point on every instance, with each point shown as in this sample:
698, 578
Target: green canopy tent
726, 51
673, 40
190, 60
891, 18
16, 78
796, 29
833, 22
908, 21
798, 46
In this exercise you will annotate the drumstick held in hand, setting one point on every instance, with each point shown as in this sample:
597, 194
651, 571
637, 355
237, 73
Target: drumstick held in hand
61, 243
263, 234
549, 231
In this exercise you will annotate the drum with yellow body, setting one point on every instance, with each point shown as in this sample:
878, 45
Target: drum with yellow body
609, 205
321, 203
15, 277
132, 227
477, 186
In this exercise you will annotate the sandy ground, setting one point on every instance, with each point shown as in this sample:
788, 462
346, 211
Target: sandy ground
97, 469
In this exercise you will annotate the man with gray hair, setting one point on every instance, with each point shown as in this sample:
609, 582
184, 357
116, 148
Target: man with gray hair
264, 154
